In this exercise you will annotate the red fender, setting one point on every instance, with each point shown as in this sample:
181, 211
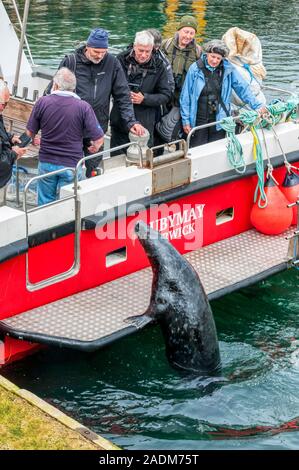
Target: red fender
276, 217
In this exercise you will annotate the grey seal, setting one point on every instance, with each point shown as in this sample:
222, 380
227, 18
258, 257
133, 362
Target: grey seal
180, 305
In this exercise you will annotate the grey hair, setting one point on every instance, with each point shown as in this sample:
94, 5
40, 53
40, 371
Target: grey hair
156, 35
3, 87
216, 46
65, 79
144, 38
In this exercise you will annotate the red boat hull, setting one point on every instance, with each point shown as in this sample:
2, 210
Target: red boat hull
56, 256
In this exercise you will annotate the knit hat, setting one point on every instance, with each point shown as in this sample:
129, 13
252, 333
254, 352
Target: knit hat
188, 21
98, 39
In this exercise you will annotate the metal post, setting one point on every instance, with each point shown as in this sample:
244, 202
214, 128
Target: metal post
293, 249
24, 26
21, 26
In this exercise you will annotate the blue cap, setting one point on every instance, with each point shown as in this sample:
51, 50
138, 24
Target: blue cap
98, 39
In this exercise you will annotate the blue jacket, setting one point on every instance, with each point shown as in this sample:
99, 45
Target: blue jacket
195, 82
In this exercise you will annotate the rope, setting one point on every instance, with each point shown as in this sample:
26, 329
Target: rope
251, 118
277, 108
275, 112
234, 148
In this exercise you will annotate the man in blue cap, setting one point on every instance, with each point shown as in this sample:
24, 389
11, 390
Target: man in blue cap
99, 76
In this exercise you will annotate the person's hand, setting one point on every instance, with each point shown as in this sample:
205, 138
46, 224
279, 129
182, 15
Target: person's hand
262, 111
19, 151
137, 98
36, 140
95, 146
187, 128
92, 149
137, 129
15, 140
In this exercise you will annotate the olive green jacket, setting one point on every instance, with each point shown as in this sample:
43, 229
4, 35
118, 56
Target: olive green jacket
180, 60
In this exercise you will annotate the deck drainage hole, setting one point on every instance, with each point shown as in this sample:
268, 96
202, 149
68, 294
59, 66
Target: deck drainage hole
116, 256
226, 215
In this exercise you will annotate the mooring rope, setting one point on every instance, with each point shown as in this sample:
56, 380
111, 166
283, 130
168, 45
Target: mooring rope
234, 148
251, 118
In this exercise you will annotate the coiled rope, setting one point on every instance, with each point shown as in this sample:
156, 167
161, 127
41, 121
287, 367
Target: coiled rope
276, 109
234, 148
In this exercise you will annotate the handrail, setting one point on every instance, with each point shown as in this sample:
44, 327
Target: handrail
204, 126
281, 90
104, 152
74, 269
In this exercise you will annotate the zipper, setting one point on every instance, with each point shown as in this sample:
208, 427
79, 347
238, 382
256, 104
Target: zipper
96, 84
95, 88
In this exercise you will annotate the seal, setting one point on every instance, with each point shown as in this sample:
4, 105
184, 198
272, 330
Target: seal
180, 306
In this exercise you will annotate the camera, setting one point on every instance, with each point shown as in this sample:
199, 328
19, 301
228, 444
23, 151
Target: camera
135, 87
212, 103
178, 81
25, 140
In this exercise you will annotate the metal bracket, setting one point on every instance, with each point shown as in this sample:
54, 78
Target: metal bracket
293, 249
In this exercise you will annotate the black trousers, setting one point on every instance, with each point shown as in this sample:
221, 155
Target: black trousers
204, 136
93, 163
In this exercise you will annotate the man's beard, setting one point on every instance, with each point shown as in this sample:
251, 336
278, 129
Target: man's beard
95, 61
92, 59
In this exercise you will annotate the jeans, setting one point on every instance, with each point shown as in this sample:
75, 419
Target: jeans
48, 188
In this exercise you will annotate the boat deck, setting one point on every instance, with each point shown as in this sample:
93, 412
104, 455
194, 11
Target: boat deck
93, 318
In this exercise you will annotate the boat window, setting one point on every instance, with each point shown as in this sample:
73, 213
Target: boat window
116, 256
226, 215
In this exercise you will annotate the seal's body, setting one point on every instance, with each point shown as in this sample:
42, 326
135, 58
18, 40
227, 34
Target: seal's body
180, 305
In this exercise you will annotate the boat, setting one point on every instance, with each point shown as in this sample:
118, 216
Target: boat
73, 274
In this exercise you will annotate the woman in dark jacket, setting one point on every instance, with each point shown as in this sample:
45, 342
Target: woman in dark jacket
148, 83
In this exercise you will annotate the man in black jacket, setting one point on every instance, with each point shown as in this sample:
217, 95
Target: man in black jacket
149, 85
8, 151
100, 76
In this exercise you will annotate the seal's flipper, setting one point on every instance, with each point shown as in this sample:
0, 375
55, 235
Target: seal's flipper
140, 321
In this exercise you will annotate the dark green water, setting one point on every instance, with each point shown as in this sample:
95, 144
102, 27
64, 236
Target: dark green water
128, 392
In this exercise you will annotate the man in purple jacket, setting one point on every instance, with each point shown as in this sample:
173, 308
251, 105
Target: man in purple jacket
64, 120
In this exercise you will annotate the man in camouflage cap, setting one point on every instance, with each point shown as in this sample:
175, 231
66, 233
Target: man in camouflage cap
182, 51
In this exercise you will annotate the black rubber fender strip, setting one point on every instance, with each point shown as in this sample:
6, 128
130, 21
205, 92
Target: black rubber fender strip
61, 342
13, 249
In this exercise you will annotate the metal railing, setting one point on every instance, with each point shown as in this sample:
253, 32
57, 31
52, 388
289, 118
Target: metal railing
74, 269
280, 90
203, 126
210, 124
105, 152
